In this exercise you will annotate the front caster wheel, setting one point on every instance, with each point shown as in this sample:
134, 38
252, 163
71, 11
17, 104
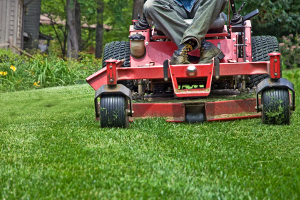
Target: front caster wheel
275, 106
113, 111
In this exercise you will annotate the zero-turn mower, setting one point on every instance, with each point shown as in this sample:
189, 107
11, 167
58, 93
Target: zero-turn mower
137, 81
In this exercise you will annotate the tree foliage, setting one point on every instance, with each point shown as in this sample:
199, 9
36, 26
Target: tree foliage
276, 17
117, 15
56, 11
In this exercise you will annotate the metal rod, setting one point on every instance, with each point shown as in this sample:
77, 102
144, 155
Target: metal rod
244, 47
240, 45
242, 6
233, 7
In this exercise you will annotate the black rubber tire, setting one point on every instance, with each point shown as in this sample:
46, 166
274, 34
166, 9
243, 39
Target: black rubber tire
113, 111
275, 106
261, 47
117, 50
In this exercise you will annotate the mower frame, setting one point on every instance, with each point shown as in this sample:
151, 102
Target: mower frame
154, 66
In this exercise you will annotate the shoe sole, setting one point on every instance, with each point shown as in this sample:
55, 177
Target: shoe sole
220, 55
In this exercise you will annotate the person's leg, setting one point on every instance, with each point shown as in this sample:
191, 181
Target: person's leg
204, 14
169, 17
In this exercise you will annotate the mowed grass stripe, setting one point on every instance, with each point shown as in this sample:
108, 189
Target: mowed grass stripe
52, 148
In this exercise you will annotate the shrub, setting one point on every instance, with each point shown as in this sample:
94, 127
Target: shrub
21, 73
290, 50
293, 76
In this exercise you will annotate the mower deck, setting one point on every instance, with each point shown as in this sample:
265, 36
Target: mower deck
214, 111
215, 107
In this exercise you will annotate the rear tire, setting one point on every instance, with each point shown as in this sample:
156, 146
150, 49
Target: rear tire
275, 106
117, 50
113, 111
261, 47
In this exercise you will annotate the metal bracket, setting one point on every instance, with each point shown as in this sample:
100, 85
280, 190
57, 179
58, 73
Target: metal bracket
166, 69
217, 68
275, 65
119, 88
275, 83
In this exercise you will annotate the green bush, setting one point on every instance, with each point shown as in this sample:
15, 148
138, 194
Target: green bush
290, 50
22, 73
276, 17
293, 76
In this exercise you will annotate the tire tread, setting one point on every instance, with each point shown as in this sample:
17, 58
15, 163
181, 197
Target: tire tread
261, 47
117, 50
272, 101
113, 111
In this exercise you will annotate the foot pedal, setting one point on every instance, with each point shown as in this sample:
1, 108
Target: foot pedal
166, 69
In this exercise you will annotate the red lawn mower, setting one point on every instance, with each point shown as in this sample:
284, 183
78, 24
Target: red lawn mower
137, 81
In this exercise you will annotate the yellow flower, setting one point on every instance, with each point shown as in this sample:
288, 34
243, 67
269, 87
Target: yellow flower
13, 68
3, 73
36, 83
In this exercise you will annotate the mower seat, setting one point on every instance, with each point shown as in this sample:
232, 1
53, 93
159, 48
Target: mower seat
216, 27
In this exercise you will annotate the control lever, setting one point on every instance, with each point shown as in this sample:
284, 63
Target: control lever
237, 18
141, 24
242, 6
250, 15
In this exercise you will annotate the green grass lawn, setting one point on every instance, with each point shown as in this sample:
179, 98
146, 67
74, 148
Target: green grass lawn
52, 148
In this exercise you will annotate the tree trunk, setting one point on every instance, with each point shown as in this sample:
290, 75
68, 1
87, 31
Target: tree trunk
65, 41
99, 29
137, 9
73, 47
78, 24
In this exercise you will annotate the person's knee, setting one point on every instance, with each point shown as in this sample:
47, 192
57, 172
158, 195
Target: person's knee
224, 5
149, 8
